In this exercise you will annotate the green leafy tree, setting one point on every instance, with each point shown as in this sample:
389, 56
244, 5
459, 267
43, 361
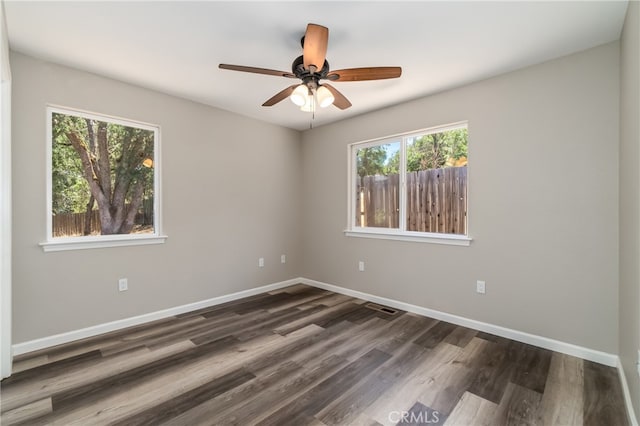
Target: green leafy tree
392, 167
434, 150
114, 162
371, 160
69, 188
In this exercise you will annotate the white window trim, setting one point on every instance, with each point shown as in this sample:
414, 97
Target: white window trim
418, 237
398, 234
80, 243
102, 241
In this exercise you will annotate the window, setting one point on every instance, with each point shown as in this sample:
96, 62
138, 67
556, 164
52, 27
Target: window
103, 181
411, 187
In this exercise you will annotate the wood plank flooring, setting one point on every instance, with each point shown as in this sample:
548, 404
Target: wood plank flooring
304, 356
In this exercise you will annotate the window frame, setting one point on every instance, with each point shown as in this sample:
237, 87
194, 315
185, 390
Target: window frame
399, 233
100, 241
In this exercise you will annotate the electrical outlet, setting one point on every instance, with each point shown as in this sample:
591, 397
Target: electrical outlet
480, 287
123, 284
361, 266
638, 362
283, 258
261, 262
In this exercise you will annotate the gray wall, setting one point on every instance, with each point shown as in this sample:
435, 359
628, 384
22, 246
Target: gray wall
630, 200
543, 197
230, 193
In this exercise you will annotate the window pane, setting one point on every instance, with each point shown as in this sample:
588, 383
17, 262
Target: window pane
377, 186
437, 182
102, 180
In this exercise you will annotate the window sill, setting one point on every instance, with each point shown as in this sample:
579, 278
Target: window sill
418, 237
82, 243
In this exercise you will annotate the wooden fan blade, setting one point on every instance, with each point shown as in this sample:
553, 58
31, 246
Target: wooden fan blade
315, 46
339, 99
256, 70
362, 74
280, 96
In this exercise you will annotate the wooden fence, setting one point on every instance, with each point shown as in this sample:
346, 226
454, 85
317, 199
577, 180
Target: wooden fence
72, 224
436, 201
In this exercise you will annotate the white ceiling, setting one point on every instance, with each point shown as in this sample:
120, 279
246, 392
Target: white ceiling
176, 46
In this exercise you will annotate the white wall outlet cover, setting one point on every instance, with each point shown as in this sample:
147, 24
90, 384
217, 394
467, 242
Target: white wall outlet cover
283, 259
123, 284
480, 287
261, 262
361, 266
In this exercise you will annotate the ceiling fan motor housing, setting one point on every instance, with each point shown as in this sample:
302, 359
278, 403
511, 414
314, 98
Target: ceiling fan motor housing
309, 78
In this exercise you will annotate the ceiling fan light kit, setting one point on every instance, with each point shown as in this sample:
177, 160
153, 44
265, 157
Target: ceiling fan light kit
325, 97
307, 98
300, 95
306, 68
309, 105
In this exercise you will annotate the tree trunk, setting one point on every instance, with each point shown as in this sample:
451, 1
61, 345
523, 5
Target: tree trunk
107, 225
116, 215
104, 168
136, 201
88, 215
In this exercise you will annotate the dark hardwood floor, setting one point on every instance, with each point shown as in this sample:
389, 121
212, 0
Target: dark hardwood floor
304, 356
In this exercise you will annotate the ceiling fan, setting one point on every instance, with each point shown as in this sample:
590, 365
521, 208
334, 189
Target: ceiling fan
311, 68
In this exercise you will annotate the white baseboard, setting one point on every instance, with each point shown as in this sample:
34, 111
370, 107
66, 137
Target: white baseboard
627, 395
543, 342
58, 339
555, 345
